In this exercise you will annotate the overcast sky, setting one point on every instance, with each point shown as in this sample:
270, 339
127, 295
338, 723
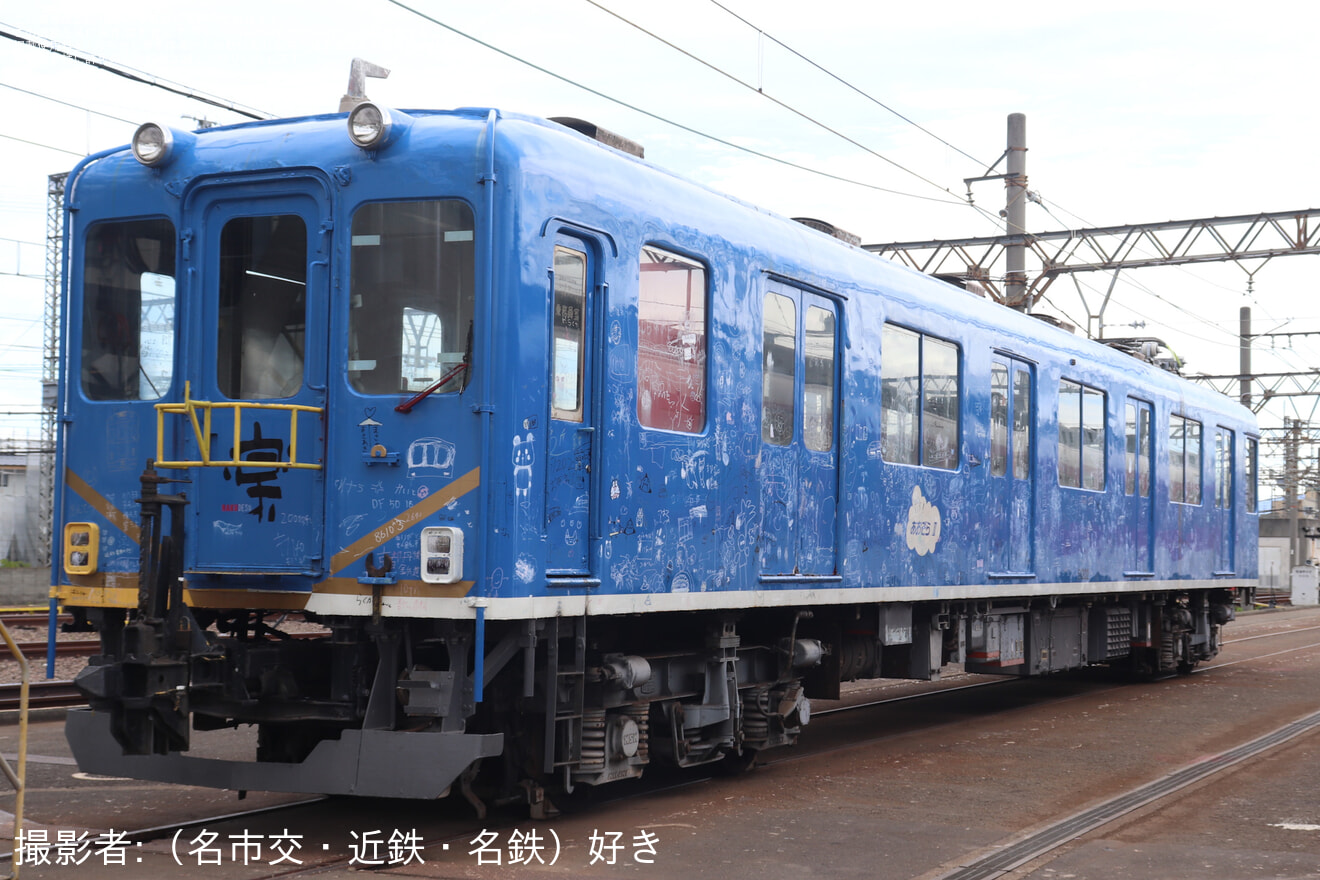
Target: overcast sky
1136, 112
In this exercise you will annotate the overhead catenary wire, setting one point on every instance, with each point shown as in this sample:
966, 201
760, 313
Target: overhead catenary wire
845, 82
657, 117
39, 42
156, 81
10, 137
68, 104
760, 91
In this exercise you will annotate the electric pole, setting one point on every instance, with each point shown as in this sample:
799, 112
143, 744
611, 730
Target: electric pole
1291, 485
1244, 356
1015, 214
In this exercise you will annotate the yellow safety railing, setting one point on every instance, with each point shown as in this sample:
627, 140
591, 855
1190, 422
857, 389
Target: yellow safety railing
17, 778
202, 431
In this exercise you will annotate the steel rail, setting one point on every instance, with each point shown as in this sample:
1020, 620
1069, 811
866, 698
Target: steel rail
1014, 855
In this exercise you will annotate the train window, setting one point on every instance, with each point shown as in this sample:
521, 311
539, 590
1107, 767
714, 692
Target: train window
263, 285
900, 395
779, 362
1093, 439
570, 326
1022, 423
1249, 476
1137, 475
939, 403
1070, 434
818, 384
128, 310
999, 420
1223, 468
411, 296
1184, 460
919, 378
1081, 436
671, 342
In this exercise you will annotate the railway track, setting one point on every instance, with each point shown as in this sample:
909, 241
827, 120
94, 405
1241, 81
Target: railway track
32, 619
63, 648
1005, 858
55, 694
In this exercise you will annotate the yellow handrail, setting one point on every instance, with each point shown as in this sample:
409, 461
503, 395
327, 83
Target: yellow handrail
18, 778
189, 407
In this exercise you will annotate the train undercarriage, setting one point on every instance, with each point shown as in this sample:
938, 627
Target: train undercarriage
407, 708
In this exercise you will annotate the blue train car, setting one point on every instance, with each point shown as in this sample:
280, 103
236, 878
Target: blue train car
580, 466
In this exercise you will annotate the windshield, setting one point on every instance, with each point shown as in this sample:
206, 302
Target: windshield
411, 298
128, 310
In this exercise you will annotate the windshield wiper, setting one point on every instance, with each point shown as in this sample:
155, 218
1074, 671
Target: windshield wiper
417, 398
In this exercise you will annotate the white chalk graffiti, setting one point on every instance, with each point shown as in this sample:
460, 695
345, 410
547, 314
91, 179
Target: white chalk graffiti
430, 456
228, 529
524, 456
525, 569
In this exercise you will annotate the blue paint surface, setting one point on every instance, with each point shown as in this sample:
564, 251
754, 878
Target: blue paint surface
640, 509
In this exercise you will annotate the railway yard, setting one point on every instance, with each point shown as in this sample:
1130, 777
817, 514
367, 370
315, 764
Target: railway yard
1077, 776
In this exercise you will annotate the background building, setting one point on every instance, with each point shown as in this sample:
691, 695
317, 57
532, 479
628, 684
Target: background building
1279, 530
19, 523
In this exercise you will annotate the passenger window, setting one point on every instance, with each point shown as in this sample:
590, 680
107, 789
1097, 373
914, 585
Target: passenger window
1184, 460
671, 342
998, 420
919, 378
900, 395
778, 363
1022, 423
570, 308
1137, 471
1249, 476
128, 310
939, 403
1223, 468
411, 293
818, 386
1081, 436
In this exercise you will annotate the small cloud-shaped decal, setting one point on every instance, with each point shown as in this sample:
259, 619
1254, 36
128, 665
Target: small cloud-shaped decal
923, 524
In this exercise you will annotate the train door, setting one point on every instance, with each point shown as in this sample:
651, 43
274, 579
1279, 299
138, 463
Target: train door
1012, 469
799, 449
253, 413
572, 426
1223, 511
1137, 486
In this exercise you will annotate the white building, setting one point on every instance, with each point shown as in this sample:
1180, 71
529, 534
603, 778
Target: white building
18, 507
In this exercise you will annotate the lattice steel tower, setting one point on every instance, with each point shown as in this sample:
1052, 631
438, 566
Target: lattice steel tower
50, 368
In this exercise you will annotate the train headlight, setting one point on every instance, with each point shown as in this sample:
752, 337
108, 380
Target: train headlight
82, 546
442, 555
373, 127
152, 144
369, 125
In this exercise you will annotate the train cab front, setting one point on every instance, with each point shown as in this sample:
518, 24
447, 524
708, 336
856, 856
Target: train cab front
263, 420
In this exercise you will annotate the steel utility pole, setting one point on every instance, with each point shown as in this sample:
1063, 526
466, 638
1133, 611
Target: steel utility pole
1244, 356
1291, 485
1015, 215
